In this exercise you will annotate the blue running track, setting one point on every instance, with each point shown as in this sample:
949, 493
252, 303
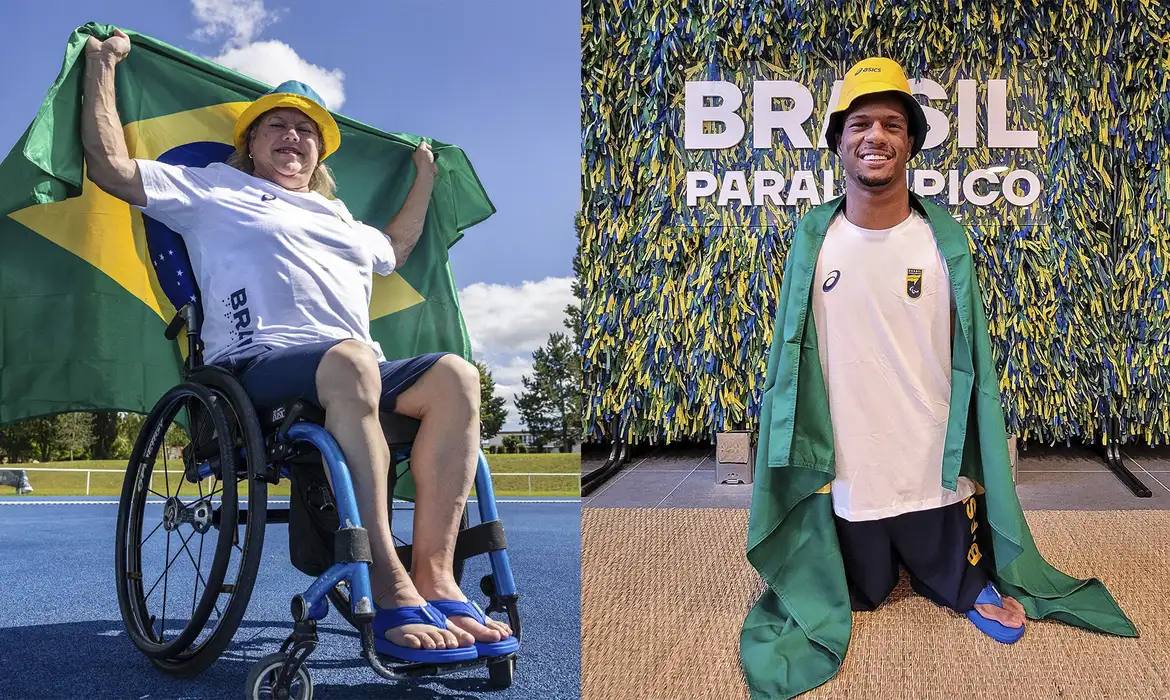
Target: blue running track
61, 634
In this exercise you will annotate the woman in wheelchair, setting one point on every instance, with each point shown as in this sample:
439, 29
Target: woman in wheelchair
285, 276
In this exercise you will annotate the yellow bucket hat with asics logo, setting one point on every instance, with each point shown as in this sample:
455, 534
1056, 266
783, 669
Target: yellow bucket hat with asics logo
295, 94
874, 76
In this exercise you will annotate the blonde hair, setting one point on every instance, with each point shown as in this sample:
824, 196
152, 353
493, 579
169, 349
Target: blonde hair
321, 181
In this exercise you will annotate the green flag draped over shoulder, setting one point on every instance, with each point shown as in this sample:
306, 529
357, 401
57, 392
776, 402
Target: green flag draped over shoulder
796, 636
82, 314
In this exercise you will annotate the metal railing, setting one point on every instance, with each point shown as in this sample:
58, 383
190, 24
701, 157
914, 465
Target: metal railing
495, 475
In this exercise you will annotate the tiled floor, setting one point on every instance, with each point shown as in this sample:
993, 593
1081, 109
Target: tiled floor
1049, 478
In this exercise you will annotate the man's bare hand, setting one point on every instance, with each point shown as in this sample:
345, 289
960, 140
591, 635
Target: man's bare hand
115, 48
424, 160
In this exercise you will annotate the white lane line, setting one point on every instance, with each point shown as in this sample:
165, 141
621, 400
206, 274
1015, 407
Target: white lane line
158, 502
704, 459
1150, 474
622, 474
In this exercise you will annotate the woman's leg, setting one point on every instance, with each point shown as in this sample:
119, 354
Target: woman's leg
443, 460
349, 387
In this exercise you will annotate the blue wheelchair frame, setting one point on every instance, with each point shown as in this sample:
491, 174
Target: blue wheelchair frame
357, 574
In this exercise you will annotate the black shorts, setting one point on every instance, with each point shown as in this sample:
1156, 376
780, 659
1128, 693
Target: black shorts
271, 376
942, 549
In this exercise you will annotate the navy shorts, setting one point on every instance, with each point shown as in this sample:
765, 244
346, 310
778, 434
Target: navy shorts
943, 549
273, 376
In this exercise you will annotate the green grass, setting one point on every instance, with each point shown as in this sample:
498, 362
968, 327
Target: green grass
559, 477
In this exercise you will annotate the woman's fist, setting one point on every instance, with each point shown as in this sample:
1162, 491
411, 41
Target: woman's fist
424, 159
116, 47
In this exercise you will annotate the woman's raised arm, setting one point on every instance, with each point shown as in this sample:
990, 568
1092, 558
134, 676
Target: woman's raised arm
108, 164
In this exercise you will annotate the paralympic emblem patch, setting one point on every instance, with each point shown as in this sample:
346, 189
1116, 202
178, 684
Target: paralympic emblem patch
913, 283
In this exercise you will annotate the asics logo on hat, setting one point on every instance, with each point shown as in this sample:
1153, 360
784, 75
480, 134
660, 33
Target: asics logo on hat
267, 197
871, 69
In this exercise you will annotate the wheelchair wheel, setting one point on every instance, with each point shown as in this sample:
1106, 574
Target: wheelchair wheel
339, 596
262, 680
183, 612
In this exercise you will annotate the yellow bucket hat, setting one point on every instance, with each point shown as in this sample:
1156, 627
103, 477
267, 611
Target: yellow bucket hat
870, 77
297, 95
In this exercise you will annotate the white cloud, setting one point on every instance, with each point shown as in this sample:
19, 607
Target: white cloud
507, 323
239, 23
504, 317
275, 62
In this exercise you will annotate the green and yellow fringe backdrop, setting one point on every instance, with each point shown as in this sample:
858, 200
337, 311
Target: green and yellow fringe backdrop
679, 302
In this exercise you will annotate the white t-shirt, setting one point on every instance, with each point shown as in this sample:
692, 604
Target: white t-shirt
881, 303
273, 266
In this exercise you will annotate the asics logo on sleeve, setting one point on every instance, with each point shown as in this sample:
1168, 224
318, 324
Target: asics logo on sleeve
831, 280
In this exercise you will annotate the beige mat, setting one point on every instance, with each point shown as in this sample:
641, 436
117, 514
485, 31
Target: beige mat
665, 592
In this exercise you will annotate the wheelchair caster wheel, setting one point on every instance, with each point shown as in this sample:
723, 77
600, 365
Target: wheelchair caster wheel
263, 680
500, 673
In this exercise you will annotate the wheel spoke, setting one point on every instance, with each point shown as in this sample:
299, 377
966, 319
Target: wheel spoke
156, 527
198, 571
166, 472
182, 549
157, 494
172, 561
162, 630
182, 477
207, 497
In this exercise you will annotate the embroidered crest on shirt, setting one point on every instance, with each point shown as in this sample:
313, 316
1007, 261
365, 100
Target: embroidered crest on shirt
913, 282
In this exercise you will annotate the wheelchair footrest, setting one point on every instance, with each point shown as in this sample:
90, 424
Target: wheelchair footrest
472, 542
394, 669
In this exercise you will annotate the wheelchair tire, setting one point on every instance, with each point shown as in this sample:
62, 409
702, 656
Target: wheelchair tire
229, 412
339, 595
262, 678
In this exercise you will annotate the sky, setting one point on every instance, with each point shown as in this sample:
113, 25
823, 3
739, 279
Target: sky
499, 80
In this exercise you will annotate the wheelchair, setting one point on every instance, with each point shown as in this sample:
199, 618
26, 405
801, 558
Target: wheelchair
233, 456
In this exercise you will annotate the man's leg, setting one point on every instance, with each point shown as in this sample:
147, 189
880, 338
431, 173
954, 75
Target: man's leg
871, 569
349, 388
940, 549
443, 460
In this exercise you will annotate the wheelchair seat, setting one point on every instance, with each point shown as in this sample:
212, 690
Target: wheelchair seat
400, 430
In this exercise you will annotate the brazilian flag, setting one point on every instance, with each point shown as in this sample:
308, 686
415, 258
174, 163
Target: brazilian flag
82, 312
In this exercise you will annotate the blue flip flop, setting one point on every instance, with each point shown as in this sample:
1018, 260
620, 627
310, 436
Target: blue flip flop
459, 608
389, 618
995, 630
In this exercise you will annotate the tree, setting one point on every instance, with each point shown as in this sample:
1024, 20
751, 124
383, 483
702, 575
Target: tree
550, 405
512, 444
105, 434
73, 432
575, 323
574, 320
42, 431
492, 413
128, 429
16, 441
